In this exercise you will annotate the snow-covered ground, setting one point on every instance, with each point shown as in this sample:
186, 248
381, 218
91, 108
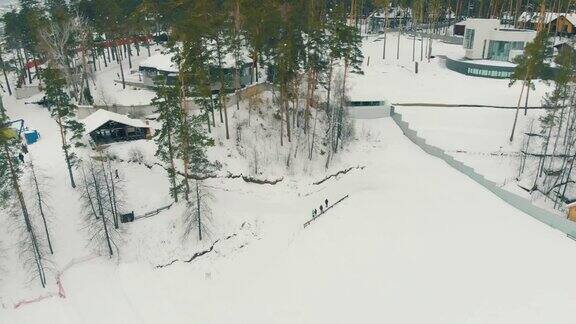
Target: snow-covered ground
107, 91
415, 242
477, 136
394, 80
448, 252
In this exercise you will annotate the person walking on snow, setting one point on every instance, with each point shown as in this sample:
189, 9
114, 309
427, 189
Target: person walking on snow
321, 209
326, 202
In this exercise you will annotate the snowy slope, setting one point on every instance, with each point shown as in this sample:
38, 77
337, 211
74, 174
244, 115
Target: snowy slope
478, 137
394, 79
450, 252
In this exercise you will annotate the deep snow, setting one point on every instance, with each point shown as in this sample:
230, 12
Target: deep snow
449, 252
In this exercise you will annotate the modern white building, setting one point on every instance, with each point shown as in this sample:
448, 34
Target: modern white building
486, 39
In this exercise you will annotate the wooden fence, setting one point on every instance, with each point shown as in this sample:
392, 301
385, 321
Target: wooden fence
153, 212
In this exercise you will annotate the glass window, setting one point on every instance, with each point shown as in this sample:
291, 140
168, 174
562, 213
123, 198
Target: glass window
499, 50
468, 38
517, 45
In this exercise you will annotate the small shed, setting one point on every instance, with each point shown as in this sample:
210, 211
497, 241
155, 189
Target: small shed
564, 46
572, 211
105, 127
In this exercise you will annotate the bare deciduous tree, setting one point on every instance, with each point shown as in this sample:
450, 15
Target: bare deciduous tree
197, 216
101, 206
38, 182
59, 43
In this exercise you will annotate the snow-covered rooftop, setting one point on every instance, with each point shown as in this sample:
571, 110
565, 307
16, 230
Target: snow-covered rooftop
161, 62
572, 204
101, 116
164, 61
548, 17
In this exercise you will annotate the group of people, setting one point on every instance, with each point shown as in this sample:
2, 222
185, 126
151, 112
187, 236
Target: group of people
322, 208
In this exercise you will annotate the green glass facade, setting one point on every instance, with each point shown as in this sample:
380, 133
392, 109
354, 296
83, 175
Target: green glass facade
500, 50
468, 38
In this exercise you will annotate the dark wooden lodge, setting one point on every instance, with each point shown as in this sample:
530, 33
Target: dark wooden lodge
106, 127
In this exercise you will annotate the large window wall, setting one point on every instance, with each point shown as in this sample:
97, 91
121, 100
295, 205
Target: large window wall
500, 50
468, 38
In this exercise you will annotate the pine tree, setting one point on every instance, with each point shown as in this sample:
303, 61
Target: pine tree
316, 64
167, 103
529, 66
63, 111
345, 42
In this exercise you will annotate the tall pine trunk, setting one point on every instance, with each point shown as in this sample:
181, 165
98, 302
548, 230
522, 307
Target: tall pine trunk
222, 94
66, 153
518, 109
119, 60
198, 210
5, 75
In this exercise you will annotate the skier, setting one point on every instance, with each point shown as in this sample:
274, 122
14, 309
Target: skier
321, 209
326, 202
21, 157
117, 176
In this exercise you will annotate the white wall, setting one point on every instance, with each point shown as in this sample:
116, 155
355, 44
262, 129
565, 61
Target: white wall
483, 28
486, 30
369, 112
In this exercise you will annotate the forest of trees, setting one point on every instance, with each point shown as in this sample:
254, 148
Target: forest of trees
60, 45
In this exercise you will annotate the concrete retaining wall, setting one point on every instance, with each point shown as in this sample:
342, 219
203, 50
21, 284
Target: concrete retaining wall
553, 220
369, 112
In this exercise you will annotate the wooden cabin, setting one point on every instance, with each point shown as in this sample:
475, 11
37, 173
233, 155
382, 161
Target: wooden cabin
572, 211
104, 127
563, 25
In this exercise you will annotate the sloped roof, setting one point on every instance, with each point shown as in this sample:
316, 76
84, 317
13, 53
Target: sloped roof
101, 117
571, 17
161, 62
572, 204
548, 17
